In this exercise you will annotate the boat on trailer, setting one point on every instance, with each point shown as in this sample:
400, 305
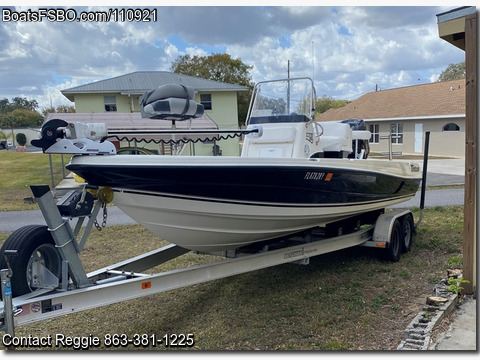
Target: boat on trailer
293, 173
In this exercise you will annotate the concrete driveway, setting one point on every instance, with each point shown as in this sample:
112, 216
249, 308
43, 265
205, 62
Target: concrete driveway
445, 172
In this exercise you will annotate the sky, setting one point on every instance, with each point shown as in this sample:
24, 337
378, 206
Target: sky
348, 50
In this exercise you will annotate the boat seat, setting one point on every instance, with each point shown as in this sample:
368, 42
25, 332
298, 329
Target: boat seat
337, 137
171, 101
182, 109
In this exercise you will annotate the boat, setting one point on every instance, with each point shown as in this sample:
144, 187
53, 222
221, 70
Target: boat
293, 173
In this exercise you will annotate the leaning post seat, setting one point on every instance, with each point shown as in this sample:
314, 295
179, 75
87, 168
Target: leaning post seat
336, 139
360, 137
172, 101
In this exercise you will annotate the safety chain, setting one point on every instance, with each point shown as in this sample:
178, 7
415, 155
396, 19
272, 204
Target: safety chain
104, 222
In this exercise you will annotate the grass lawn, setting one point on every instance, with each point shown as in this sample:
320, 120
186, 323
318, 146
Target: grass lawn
346, 300
20, 170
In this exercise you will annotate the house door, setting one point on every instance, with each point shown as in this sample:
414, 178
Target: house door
418, 138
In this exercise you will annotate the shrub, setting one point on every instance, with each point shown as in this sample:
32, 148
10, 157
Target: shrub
21, 139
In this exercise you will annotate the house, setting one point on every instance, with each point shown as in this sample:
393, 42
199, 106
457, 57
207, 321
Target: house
407, 113
120, 95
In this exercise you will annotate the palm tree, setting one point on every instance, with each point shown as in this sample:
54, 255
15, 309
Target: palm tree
4, 137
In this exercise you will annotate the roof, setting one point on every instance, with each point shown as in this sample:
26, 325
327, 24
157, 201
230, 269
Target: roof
451, 25
456, 13
139, 82
445, 98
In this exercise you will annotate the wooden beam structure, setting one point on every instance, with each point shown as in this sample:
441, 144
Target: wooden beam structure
469, 226
459, 27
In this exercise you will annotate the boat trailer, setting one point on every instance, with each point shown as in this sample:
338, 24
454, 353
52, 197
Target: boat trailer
56, 283
42, 276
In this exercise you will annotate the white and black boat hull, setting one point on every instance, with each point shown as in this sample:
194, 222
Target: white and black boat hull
222, 203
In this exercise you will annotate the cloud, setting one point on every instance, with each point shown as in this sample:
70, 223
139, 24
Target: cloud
349, 50
217, 25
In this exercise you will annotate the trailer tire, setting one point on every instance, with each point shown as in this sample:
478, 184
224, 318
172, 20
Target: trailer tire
32, 243
408, 229
392, 252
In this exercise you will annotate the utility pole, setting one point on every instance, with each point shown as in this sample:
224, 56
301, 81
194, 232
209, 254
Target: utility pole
288, 87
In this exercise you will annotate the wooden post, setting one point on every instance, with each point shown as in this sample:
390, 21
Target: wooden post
469, 230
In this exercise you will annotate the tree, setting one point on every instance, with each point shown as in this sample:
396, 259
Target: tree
4, 135
17, 103
23, 103
4, 103
19, 112
3, 139
58, 109
453, 72
278, 106
21, 117
325, 103
219, 67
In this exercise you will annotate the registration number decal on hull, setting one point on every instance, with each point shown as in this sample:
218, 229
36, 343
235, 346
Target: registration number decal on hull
314, 175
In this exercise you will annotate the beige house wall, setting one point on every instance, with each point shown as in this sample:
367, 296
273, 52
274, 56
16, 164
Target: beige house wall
95, 103
442, 143
30, 134
224, 108
446, 143
224, 112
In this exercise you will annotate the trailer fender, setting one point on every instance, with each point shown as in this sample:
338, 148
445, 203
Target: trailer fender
384, 225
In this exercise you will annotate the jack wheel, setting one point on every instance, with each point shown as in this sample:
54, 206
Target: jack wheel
33, 243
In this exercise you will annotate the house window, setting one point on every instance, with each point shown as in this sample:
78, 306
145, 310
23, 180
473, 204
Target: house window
206, 101
110, 103
375, 133
397, 133
451, 127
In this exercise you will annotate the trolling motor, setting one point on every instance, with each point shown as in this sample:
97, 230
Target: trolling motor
60, 137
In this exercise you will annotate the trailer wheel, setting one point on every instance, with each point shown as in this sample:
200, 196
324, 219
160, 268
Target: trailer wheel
408, 228
33, 243
392, 253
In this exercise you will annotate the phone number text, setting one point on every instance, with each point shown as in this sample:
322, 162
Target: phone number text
144, 340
